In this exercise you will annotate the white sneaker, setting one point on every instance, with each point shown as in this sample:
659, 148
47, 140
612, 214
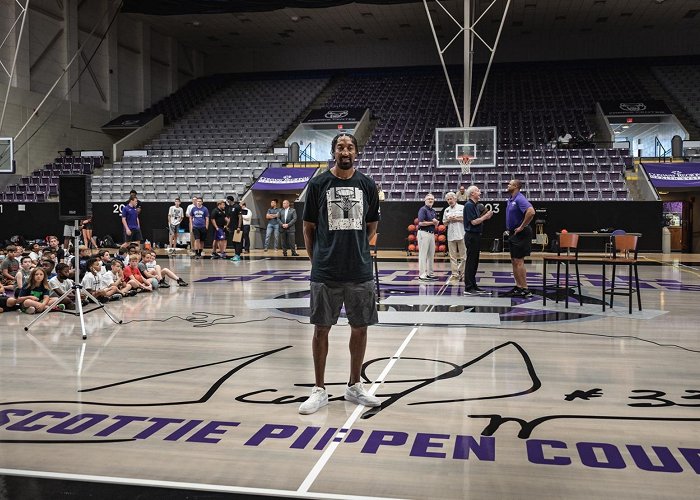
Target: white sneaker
317, 400
357, 394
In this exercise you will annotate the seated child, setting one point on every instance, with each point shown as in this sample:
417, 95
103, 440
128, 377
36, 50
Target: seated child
35, 295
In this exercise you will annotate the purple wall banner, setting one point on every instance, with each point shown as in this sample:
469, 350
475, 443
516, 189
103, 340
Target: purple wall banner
276, 179
674, 175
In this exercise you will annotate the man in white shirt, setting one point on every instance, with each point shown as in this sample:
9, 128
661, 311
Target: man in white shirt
452, 217
188, 213
247, 218
175, 216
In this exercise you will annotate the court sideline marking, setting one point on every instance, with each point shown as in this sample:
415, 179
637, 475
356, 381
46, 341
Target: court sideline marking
328, 452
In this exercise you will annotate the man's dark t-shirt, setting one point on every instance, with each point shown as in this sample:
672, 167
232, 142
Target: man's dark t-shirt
233, 211
219, 216
341, 209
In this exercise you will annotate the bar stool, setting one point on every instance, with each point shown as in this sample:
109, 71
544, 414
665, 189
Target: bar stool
624, 253
568, 242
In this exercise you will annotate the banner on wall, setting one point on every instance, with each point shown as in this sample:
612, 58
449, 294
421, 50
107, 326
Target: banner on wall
340, 115
634, 108
674, 175
284, 179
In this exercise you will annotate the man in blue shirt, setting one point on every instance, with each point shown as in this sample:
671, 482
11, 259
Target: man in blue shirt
427, 222
473, 227
199, 225
273, 226
130, 221
519, 214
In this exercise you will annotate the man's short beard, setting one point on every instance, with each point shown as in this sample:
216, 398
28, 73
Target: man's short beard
341, 166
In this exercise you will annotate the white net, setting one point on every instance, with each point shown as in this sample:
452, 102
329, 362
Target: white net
465, 163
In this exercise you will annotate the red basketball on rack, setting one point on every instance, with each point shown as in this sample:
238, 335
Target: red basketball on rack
415, 221
442, 238
441, 228
411, 238
442, 248
411, 228
411, 248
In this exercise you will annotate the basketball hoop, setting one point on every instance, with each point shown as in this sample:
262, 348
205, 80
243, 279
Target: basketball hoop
465, 162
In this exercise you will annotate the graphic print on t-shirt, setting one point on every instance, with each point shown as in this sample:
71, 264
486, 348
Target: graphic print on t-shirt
345, 208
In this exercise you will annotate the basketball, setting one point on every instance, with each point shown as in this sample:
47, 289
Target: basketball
564, 231
411, 248
411, 238
411, 228
415, 221
441, 228
442, 238
442, 248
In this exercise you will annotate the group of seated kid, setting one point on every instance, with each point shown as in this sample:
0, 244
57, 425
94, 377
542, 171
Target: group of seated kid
35, 280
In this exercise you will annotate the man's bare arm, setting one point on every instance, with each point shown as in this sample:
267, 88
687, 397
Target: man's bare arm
371, 230
309, 238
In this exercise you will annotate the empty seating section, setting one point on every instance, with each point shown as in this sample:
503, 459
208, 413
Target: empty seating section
683, 82
43, 183
549, 174
530, 105
195, 92
216, 149
212, 174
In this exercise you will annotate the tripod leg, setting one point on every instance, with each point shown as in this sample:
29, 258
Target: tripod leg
103, 307
79, 303
47, 310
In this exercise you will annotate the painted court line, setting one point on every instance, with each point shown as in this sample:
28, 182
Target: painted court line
328, 452
219, 488
438, 318
446, 300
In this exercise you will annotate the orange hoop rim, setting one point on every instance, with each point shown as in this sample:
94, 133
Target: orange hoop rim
465, 160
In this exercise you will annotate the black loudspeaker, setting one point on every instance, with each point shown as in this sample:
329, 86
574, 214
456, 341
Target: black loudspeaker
74, 197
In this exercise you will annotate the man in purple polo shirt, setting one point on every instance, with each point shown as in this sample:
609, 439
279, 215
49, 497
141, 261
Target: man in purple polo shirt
519, 214
427, 222
130, 221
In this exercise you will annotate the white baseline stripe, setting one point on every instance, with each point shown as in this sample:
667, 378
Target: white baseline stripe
180, 485
313, 474
321, 463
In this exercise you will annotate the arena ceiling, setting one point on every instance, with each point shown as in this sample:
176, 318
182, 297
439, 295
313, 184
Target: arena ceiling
221, 25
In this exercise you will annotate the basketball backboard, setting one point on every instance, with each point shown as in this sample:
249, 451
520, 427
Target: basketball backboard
6, 156
479, 143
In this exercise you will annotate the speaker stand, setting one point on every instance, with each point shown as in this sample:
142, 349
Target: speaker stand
77, 288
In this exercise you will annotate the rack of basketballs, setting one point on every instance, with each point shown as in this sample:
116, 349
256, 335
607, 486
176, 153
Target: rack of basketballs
412, 239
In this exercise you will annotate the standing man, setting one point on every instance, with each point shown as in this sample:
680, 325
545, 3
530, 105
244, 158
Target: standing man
288, 220
273, 225
340, 218
130, 221
474, 226
188, 214
452, 216
235, 226
246, 218
199, 225
427, 222
219, 221
519, 214
175, 216
462, 196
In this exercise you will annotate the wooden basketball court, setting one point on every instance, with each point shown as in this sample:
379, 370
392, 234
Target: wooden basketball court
483, 397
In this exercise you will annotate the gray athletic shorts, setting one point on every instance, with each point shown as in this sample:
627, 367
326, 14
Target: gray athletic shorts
360, 301
172, 230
